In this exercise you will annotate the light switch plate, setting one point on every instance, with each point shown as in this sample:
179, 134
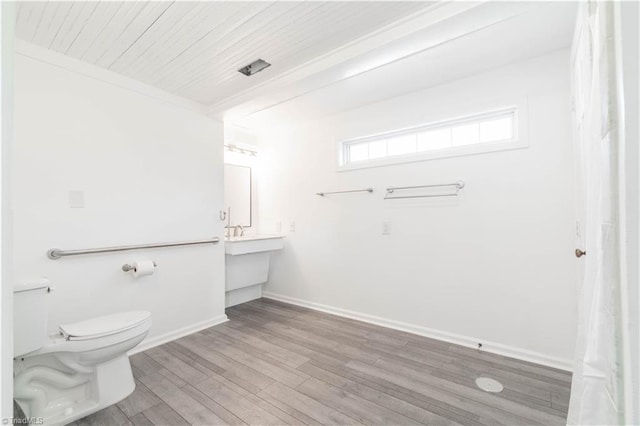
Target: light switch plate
76, 199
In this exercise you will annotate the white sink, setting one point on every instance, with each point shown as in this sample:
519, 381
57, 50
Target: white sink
252, 244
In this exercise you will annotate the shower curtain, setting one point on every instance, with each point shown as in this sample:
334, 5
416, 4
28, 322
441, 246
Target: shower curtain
597, 392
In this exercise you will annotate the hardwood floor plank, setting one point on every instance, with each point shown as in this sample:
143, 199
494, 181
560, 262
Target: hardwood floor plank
466, 375
445, 361
352, 405
286, 418
207, 367
258, 303
311, 351
191, 410
174, 364
163, 415
221, 410
507, 393
141, 420
309, 406
301, 418
310, 326
371, 394
560, 401
240, 407
337, 344
425, 402
141, 399
251, 358
245, 318
306, 330
279, 364
144, 364
238, 373
438, 365
110, 416
170, 376
489, 415
290, 358
187, 355
348, 322
559, 377
522, 412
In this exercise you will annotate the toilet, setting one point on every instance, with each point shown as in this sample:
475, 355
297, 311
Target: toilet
81, 369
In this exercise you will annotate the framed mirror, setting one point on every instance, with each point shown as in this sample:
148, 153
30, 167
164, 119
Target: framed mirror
237, 194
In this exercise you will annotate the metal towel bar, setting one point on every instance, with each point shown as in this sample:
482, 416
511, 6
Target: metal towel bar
458, 186
55, 253
322, 194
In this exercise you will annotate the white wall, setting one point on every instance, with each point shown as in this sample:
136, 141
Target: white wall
630, 67
495, 266
151, 170
7, 19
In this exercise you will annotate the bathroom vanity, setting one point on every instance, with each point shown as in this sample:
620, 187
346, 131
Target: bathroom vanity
247, 261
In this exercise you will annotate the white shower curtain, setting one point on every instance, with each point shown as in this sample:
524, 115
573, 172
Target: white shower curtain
597, 388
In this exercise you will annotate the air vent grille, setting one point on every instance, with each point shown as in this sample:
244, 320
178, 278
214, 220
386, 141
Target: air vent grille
254, 67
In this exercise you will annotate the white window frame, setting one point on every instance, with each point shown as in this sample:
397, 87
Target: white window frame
518, 141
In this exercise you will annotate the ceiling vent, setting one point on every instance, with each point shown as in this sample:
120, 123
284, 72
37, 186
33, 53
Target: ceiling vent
254, 67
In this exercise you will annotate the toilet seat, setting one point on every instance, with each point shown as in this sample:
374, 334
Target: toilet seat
103, 326
88, 343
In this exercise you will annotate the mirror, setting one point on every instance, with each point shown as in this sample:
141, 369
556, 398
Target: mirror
237, 194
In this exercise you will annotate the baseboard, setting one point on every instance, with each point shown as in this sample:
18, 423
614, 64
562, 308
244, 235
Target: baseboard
492, 347
176, 334
242, 295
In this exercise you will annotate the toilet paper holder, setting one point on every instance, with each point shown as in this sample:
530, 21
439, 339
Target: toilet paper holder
127, 267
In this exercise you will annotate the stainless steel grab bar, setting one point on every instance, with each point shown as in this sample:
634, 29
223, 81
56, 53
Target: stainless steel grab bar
55, 253
322, 194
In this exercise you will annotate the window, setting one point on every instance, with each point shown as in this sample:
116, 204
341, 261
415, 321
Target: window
473, 134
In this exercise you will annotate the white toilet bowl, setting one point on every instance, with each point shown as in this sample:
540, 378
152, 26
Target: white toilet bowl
78, 371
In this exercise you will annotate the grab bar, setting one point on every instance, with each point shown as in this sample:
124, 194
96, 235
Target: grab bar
55, 253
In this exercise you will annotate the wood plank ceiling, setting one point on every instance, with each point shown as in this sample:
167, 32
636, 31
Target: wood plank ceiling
194, 49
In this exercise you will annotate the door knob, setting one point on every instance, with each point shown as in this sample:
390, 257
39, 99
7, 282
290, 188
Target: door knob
580, 253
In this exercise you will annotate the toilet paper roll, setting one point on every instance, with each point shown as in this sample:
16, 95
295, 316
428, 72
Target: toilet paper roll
143, 267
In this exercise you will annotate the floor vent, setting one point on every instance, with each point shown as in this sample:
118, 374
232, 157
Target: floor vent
489, 385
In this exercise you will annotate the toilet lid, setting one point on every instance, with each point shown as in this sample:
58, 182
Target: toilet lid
103, 326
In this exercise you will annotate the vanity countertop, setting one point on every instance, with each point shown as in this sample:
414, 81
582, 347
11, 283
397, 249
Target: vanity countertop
253, 237
248, 244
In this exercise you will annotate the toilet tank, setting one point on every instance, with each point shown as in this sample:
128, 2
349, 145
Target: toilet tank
30, 312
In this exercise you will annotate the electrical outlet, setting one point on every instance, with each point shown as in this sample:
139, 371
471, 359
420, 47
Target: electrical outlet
386, 227
278, 227
292, 226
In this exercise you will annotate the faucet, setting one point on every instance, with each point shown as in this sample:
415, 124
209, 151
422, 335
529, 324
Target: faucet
228, 225
235, 228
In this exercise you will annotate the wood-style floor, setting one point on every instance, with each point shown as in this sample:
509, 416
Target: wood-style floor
276, 364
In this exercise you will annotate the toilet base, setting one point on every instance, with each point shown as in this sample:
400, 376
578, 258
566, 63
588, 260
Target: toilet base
58, 396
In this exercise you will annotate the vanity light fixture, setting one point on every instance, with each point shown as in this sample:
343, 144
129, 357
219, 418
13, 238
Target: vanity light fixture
236, 148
